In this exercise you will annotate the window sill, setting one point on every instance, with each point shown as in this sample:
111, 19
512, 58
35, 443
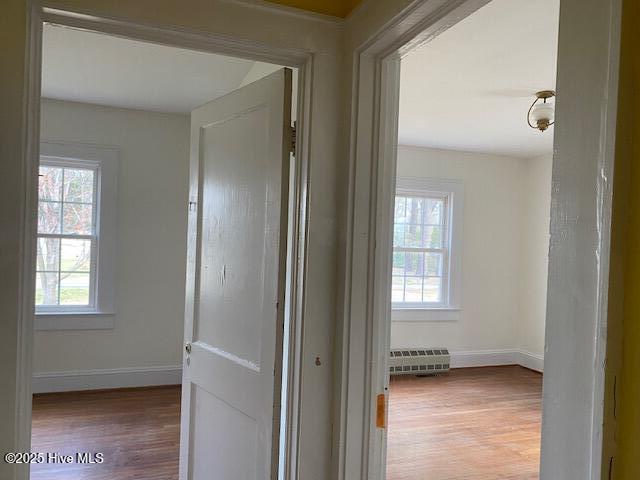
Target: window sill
74, 321
425, 314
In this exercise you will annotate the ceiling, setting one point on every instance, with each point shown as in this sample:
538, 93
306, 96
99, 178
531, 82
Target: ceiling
470, 88
105, 70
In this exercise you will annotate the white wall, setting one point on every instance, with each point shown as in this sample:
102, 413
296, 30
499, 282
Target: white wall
491, 232
151, 245
506, 208
535, 256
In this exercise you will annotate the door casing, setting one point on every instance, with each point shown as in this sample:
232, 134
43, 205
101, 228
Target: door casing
301, 59
581, 204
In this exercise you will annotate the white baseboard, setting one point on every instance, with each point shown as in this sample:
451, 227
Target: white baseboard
482, 358
69, 381
530, 360
488, 358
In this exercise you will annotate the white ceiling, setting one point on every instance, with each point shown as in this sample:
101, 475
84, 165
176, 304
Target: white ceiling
470, 88
94, 68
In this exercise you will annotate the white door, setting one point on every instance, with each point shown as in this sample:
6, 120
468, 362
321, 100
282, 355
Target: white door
234, 315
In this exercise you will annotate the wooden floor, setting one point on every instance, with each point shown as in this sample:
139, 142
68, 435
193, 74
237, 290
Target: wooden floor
472, 424
478, 423
137, 430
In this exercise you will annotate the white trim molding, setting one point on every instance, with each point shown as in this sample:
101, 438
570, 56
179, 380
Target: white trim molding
489, 358
104, 160
482, 358
532, 361
74, 321
579, 246
452, 190
425, 315
75, 380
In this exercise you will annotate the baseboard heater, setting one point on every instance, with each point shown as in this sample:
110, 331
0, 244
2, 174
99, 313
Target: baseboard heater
418, 361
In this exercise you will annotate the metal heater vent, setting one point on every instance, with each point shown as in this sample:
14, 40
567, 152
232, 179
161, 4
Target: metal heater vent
419, 361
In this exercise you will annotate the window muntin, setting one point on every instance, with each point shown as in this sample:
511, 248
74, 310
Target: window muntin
67, 236
421, 246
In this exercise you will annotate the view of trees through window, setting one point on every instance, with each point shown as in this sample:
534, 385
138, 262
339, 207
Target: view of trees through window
419, 251
66, 202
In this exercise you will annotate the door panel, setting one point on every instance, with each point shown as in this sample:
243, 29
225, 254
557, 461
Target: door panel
212, 454
234, 312
234, 293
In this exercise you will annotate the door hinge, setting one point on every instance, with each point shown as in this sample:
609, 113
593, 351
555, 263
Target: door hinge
381, 414
192, 206
292, 147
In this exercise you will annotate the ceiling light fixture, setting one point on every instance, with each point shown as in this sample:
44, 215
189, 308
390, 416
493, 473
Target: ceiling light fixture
541, 113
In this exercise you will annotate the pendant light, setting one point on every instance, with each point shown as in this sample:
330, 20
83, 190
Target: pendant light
541, 113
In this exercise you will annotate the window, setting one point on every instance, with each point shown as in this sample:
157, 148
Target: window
426, 244
76, 235
67, 240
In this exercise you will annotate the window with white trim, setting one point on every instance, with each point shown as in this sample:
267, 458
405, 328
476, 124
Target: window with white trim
67, 235
75, 259
426, 228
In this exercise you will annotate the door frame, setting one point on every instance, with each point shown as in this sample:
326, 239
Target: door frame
576, 329
303, 60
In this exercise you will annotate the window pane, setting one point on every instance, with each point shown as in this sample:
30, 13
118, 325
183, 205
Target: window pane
50, 183
413, 289
434, 208
413, 236
398, 235
413, 263
77, 219
432, 237
433, 289
47, 288
48, 254
433, 264
398, 263
75, 255
48, 217
78, 185
397, 289
74, 289
414, 210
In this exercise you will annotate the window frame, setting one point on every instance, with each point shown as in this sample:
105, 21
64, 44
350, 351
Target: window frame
443, 250
99, 313
453, 192
94, 237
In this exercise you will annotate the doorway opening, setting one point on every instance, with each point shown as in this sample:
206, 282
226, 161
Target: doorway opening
116, 207
468, 279
469, 262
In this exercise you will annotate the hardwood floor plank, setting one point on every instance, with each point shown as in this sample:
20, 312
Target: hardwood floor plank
472, 424
138, 430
